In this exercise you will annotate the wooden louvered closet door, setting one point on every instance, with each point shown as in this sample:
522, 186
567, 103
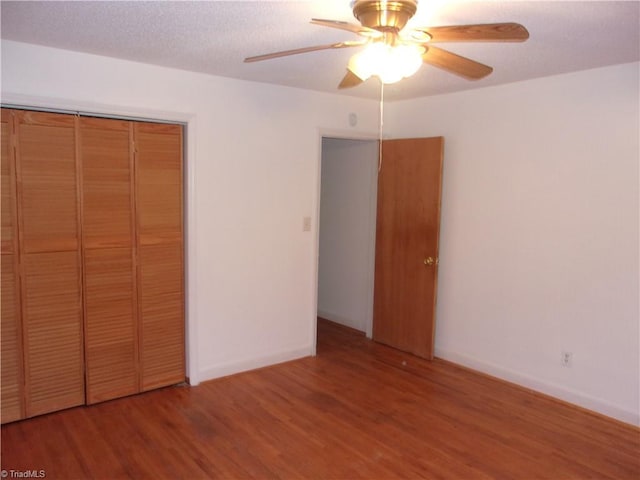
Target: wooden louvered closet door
11, 400
50, 261
111, 333
160, 253
92, 260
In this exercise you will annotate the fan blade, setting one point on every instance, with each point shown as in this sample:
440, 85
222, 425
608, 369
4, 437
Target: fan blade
349, 27
350, 80
296, 51
492, 32
455, 63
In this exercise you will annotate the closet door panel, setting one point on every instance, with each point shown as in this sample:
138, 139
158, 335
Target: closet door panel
111, 331
53, 332
160, 253
50, 257
111, 340
47, 175
11, 396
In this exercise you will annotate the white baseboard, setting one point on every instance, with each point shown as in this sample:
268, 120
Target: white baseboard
553, 390
230, 368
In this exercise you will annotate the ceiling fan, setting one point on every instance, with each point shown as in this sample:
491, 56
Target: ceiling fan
392, 52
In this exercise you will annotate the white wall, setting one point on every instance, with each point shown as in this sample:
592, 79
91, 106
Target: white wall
253, 167
347, 231
539, 238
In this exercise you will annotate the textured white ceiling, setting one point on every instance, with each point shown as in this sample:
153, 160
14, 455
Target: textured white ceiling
215, 36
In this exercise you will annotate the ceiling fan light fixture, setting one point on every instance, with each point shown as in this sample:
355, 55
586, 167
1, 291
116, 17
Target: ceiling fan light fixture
408, 58
389, 63
389, 75
366, 63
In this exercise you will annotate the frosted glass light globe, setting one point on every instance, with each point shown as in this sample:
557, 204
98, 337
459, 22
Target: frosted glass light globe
408, 58
390, 64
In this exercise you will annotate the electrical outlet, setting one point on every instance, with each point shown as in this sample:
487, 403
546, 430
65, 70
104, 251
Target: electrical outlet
566, 359
306, 224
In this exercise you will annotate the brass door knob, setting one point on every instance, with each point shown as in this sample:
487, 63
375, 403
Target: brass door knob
429, 261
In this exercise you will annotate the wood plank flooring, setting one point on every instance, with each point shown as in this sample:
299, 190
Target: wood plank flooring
357, 410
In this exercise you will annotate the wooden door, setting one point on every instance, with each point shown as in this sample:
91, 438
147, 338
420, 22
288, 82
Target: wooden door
50, 261
111, 333
92, 260
11, 400
407, 230
158, 173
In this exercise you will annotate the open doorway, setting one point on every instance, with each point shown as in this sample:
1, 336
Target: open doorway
346, 260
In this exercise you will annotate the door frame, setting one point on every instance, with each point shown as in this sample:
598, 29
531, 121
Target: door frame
373, 202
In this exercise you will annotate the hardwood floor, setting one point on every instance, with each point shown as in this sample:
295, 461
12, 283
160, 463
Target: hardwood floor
357, 410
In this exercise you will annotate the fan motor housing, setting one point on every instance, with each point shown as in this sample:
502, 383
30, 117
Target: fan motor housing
384, 15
